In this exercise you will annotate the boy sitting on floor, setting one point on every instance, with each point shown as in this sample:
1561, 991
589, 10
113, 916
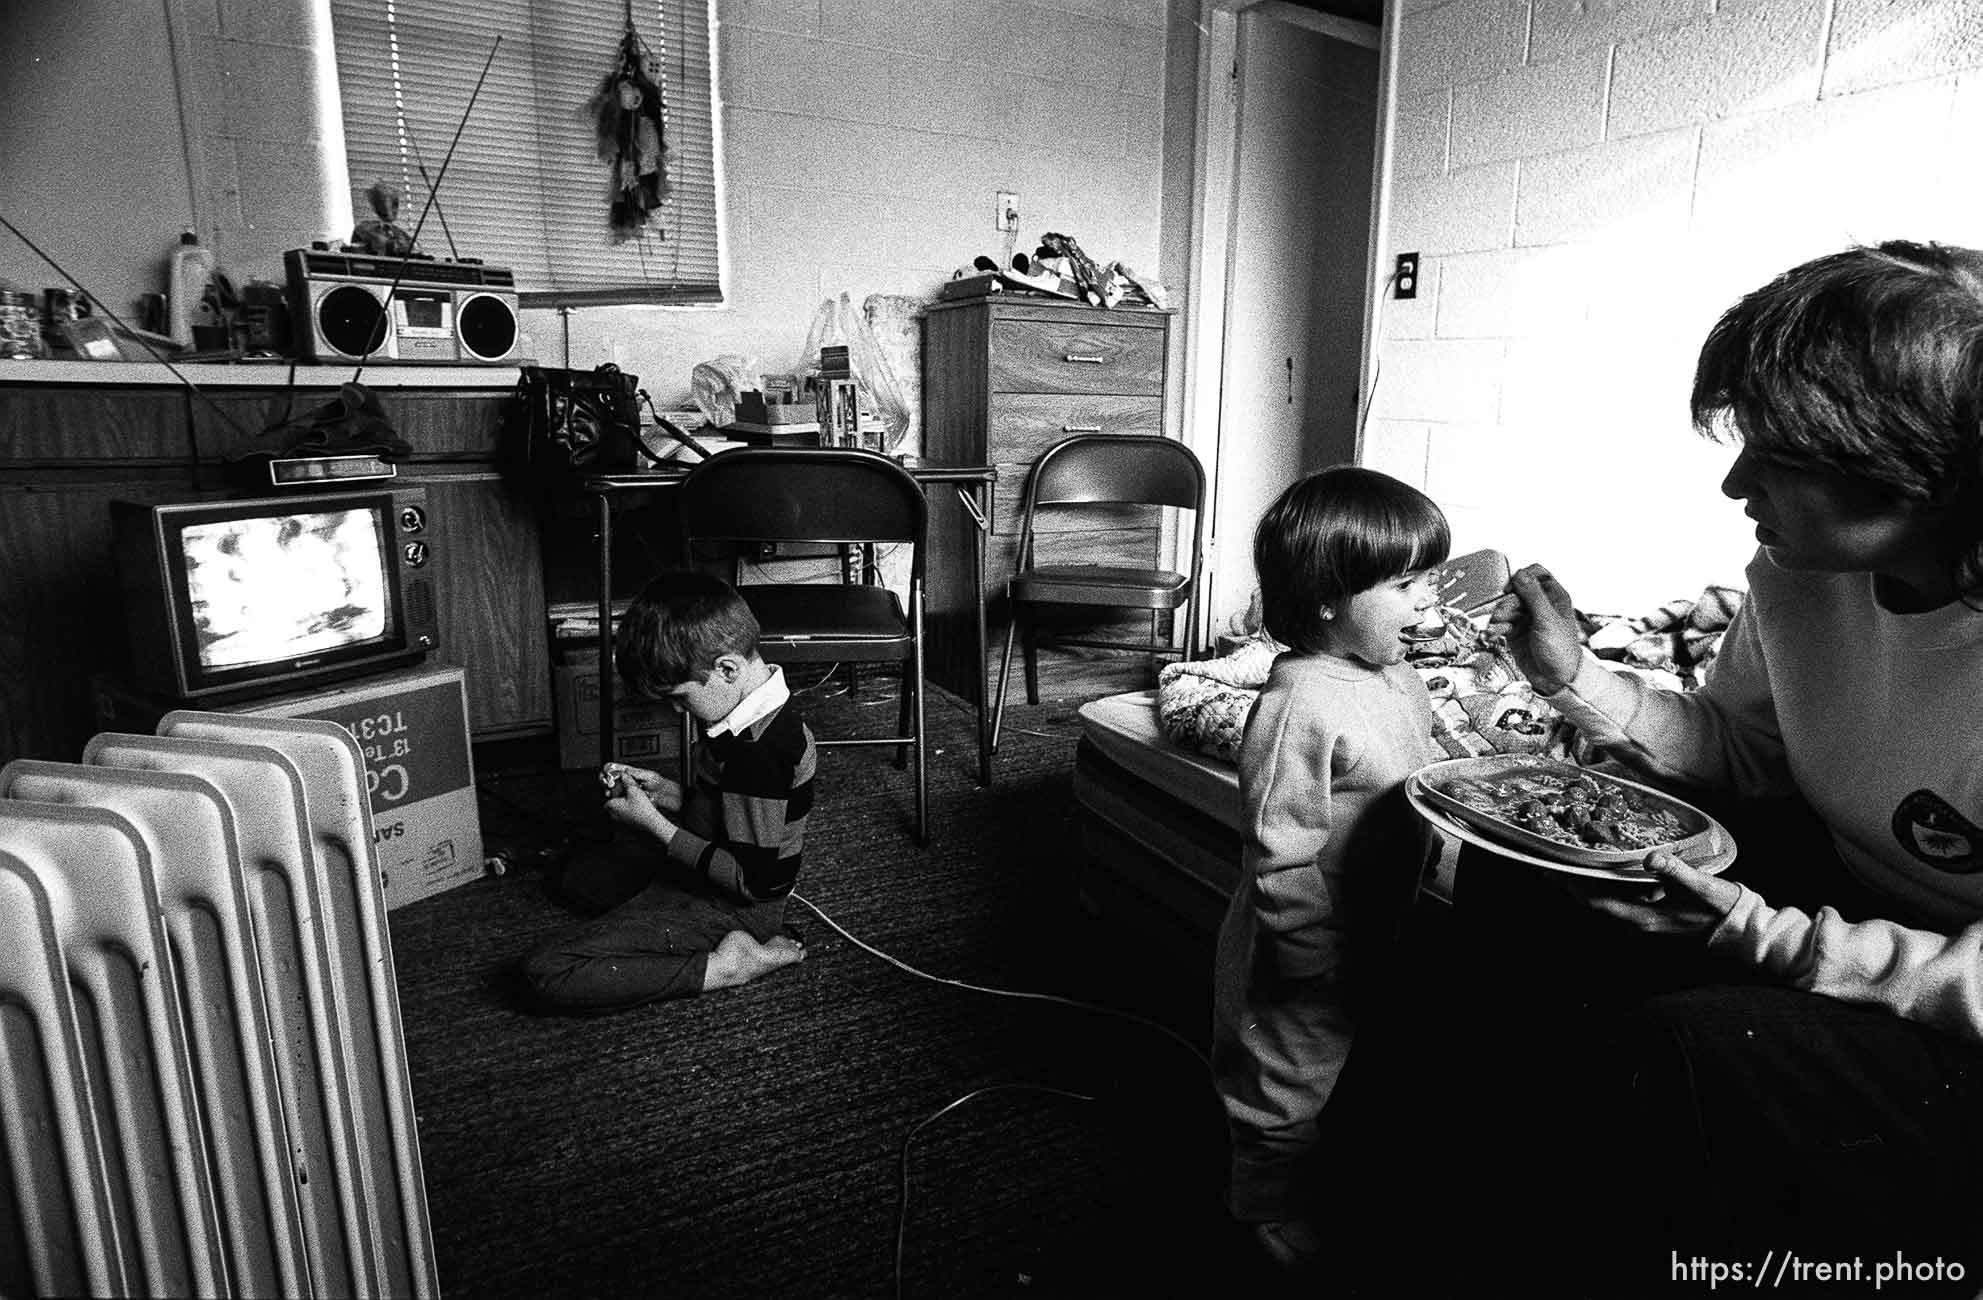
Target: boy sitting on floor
711, 913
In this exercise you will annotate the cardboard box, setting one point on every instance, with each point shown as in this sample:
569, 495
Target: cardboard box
412, 727
646, 733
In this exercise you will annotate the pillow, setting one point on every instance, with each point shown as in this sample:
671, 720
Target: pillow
1203, 704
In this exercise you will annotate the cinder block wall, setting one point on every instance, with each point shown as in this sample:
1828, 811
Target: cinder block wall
863, 143
1591, 182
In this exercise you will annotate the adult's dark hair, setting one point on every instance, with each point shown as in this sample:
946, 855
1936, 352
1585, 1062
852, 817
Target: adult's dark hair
1333, 534
676, 628
1869, 363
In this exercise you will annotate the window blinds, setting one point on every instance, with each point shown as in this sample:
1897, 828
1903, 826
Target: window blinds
527, 188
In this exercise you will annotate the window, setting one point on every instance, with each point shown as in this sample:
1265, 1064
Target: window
526, 187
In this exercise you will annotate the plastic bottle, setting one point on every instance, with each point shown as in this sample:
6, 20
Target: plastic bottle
187, 277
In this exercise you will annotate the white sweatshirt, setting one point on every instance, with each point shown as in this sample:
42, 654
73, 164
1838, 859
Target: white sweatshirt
1876, 718
1332, 857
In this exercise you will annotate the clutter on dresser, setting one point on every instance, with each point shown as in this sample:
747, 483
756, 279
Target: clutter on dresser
1057, 268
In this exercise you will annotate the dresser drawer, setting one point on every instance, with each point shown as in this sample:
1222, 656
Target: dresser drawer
1030, 356
1029, 423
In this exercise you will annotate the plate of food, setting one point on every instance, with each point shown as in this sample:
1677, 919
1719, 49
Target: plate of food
1556, 814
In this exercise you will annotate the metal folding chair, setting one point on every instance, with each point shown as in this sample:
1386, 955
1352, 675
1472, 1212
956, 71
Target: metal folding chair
1102, 469
856, 500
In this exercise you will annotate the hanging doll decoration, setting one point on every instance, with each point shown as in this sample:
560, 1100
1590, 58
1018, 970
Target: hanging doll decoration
627, 111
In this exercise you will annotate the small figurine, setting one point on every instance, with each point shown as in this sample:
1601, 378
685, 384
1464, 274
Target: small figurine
381, 234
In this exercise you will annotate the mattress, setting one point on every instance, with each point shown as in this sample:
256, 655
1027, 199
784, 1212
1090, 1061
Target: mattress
1157, 825
1124, 727
1160, 824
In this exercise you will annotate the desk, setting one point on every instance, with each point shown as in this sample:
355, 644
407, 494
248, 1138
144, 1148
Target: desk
971, 483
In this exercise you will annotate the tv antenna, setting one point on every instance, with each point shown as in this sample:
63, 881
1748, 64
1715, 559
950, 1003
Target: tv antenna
433, 194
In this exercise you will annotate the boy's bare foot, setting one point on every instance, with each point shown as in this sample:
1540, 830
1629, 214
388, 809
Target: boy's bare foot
738, 959
1295, 1245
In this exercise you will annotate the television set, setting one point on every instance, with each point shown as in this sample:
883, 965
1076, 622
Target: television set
228, 600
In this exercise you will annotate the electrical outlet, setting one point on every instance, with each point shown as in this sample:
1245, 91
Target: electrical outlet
1005, 216
1404, 281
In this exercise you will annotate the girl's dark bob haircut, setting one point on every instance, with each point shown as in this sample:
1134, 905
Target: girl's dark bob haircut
676, 629
1867, 363
1333, 534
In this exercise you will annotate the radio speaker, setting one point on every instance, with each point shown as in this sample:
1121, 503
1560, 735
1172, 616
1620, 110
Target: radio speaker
485, 326
346, 322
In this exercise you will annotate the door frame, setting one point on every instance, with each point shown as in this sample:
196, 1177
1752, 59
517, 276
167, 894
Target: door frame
1209, 261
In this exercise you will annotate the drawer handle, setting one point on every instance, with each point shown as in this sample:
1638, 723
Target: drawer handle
1081, 360
1080, 428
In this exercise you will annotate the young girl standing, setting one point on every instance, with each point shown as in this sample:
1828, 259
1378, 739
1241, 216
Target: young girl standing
1334, 852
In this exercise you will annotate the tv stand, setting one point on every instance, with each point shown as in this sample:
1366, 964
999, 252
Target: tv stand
76, 434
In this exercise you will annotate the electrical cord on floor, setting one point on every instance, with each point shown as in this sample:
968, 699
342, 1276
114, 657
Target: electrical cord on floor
902, 1202
902, 1197
1023, 995
818, 691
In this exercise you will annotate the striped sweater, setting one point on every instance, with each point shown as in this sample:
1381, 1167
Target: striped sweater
743, 818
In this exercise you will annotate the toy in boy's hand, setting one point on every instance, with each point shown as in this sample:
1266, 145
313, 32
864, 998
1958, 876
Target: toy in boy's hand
380, 234
620, 780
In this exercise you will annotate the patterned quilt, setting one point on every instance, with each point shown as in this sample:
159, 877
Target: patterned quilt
1481, 702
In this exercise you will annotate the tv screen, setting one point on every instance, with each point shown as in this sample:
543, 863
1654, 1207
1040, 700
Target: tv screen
270, 587
241, 598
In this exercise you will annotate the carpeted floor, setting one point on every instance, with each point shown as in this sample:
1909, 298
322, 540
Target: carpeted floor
757, 1140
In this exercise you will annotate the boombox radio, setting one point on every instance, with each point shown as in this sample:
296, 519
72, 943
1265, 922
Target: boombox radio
360, 306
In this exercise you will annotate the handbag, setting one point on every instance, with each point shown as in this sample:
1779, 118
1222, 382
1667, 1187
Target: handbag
579, 421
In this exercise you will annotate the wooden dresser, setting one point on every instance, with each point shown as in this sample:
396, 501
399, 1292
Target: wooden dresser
1004, 378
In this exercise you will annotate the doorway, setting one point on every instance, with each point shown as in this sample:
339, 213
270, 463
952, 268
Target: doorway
1288, 160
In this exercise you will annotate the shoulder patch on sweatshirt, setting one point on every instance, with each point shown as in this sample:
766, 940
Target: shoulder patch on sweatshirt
1937, 834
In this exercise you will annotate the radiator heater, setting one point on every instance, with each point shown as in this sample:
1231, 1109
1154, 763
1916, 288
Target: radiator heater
203, 1086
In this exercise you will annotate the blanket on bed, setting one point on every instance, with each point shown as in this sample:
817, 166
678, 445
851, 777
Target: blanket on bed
1481, 703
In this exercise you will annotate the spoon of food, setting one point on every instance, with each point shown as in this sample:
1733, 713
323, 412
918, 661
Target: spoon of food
1433, 627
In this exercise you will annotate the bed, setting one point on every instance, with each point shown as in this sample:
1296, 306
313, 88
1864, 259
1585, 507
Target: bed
1157, 793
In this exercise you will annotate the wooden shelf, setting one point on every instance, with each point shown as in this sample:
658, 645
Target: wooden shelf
255, 374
